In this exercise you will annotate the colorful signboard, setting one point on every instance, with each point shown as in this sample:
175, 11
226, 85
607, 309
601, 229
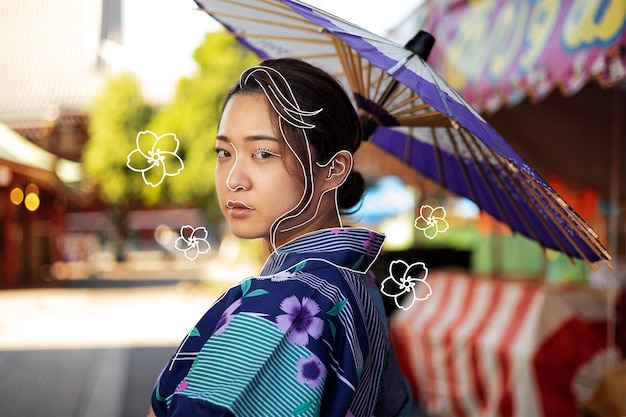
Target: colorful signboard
497, 51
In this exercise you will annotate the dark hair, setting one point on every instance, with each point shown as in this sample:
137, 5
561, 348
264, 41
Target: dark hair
335, 128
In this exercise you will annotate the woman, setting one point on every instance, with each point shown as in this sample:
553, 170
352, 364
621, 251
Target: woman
308, 336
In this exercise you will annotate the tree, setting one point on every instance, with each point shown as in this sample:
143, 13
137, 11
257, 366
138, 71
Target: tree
116, 117
120, 113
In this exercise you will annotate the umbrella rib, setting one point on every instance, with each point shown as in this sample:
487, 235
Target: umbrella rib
577, 223
314, 56
483, 176
368, 77
397, 93
279, 37
414, 111
407, 102
442, 179
311, 29
407, 148
291, 14
342, 51
355, 60
530, 191
469, 183
519, 212
425, 119
585, 227
379, 83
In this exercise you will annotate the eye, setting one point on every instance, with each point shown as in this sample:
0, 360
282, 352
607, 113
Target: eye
222, 153
263, 153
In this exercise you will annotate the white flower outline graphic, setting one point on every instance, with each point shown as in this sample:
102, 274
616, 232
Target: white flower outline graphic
155, 157
402, 279
193, 241
432, 221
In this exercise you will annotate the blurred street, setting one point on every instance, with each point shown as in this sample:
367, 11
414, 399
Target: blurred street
93, 347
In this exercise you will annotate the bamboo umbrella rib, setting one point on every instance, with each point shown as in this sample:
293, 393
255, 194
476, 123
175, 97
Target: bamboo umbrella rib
314, 56
423, 123
531, 191
577, 218
520, 213
368, 76
310, 28
344, 54
503, 215
358, 69
408, 102
415, 110
526, 182
378, 84
573, 217
573, 220
418, 119
279, 37
466, 177
345, 63
272, 9
437, 152
408, 145
340, 53
401, 88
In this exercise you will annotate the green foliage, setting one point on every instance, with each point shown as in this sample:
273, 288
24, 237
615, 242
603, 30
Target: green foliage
116, 117
119, 114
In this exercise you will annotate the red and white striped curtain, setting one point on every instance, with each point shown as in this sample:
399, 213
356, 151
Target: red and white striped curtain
481, 347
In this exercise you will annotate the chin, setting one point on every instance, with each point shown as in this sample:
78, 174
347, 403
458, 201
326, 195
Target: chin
246, 232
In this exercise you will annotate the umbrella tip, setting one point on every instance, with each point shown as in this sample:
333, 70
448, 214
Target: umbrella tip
421, 44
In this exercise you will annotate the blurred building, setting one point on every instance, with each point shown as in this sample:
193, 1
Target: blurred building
54, 59
36, 189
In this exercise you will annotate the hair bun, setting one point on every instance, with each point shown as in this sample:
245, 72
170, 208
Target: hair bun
351, 191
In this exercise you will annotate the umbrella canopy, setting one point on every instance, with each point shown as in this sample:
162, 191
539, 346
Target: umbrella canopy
415, 115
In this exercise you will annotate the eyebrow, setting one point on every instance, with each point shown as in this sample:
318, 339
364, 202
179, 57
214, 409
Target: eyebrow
251, 138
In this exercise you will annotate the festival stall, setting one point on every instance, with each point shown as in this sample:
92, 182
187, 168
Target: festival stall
549, 76
484, 347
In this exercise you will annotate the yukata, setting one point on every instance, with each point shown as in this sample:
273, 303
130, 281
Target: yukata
307, 337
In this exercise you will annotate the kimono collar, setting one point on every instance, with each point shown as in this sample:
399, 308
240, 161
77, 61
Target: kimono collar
353, 248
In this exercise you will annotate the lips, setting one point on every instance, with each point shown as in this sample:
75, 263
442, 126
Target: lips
238, 209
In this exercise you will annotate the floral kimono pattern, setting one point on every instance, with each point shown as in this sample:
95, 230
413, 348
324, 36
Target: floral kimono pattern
307, 337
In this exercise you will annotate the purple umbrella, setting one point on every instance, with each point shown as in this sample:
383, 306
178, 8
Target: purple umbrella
411, 112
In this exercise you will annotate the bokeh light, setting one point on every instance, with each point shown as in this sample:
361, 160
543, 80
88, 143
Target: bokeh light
31, 202
31, 188
16, 196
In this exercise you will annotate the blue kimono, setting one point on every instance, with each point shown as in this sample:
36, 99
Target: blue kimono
307, 337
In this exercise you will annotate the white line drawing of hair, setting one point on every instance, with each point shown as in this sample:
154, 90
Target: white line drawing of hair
286, 106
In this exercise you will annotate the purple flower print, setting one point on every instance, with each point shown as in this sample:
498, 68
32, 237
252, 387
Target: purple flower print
182, 386
300, 321
311, 371
226, 317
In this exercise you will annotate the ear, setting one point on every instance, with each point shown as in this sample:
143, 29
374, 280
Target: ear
335, 172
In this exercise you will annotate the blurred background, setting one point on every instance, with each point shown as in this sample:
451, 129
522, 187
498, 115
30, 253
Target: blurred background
95, 295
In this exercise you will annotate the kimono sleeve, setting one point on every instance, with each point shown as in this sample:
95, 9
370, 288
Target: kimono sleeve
274, 353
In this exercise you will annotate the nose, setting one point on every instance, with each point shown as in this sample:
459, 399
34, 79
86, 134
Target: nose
238, 178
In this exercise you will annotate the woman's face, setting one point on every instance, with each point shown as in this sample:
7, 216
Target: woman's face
254, 186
